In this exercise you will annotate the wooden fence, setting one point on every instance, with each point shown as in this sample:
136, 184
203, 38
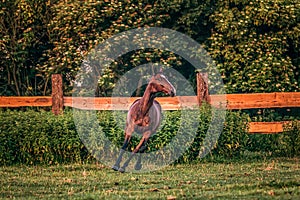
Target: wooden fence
232, 102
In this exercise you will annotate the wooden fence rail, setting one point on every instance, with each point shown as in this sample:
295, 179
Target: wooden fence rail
233, 101
230, 101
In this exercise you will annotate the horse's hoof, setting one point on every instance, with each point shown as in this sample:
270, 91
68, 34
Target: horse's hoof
116, 168
121, 169
138, 166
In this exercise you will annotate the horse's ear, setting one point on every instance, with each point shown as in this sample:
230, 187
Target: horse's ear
160, 71
153, 70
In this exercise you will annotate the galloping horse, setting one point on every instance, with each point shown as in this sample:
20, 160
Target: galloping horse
144, 117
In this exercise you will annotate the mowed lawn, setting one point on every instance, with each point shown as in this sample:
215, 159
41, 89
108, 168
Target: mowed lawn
276, 178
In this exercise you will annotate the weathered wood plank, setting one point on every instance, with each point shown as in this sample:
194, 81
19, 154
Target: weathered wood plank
123, 103
101, 103
266, 127
14, 102
263, 100
233, 101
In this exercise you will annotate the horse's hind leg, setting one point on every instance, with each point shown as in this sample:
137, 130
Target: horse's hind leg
138, 164
116, 166
137, 148
142, 149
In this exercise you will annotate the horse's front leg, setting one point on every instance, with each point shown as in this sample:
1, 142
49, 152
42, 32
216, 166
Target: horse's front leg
128, 133
138, 164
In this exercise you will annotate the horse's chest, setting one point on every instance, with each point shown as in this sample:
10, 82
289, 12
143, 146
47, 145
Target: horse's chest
144, 121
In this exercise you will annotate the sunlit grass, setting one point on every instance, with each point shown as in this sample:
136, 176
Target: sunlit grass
252, 179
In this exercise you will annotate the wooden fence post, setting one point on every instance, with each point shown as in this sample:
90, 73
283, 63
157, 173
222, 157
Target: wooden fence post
202, 88
57, 94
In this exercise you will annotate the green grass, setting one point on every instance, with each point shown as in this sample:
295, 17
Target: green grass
276, 178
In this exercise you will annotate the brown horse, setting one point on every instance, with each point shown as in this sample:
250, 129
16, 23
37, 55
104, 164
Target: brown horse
144, 117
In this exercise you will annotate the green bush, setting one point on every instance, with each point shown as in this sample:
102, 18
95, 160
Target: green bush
282, 144
234, 138
39, 137
291, 139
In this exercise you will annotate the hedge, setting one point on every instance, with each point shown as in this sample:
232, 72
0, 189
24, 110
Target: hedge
39, 137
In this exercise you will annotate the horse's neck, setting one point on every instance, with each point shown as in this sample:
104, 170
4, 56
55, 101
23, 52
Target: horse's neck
146, 101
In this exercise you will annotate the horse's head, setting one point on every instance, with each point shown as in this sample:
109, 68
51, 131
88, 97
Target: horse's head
160, 83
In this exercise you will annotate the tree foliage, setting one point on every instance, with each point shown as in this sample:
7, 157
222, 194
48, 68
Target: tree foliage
255, 44
23, 38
